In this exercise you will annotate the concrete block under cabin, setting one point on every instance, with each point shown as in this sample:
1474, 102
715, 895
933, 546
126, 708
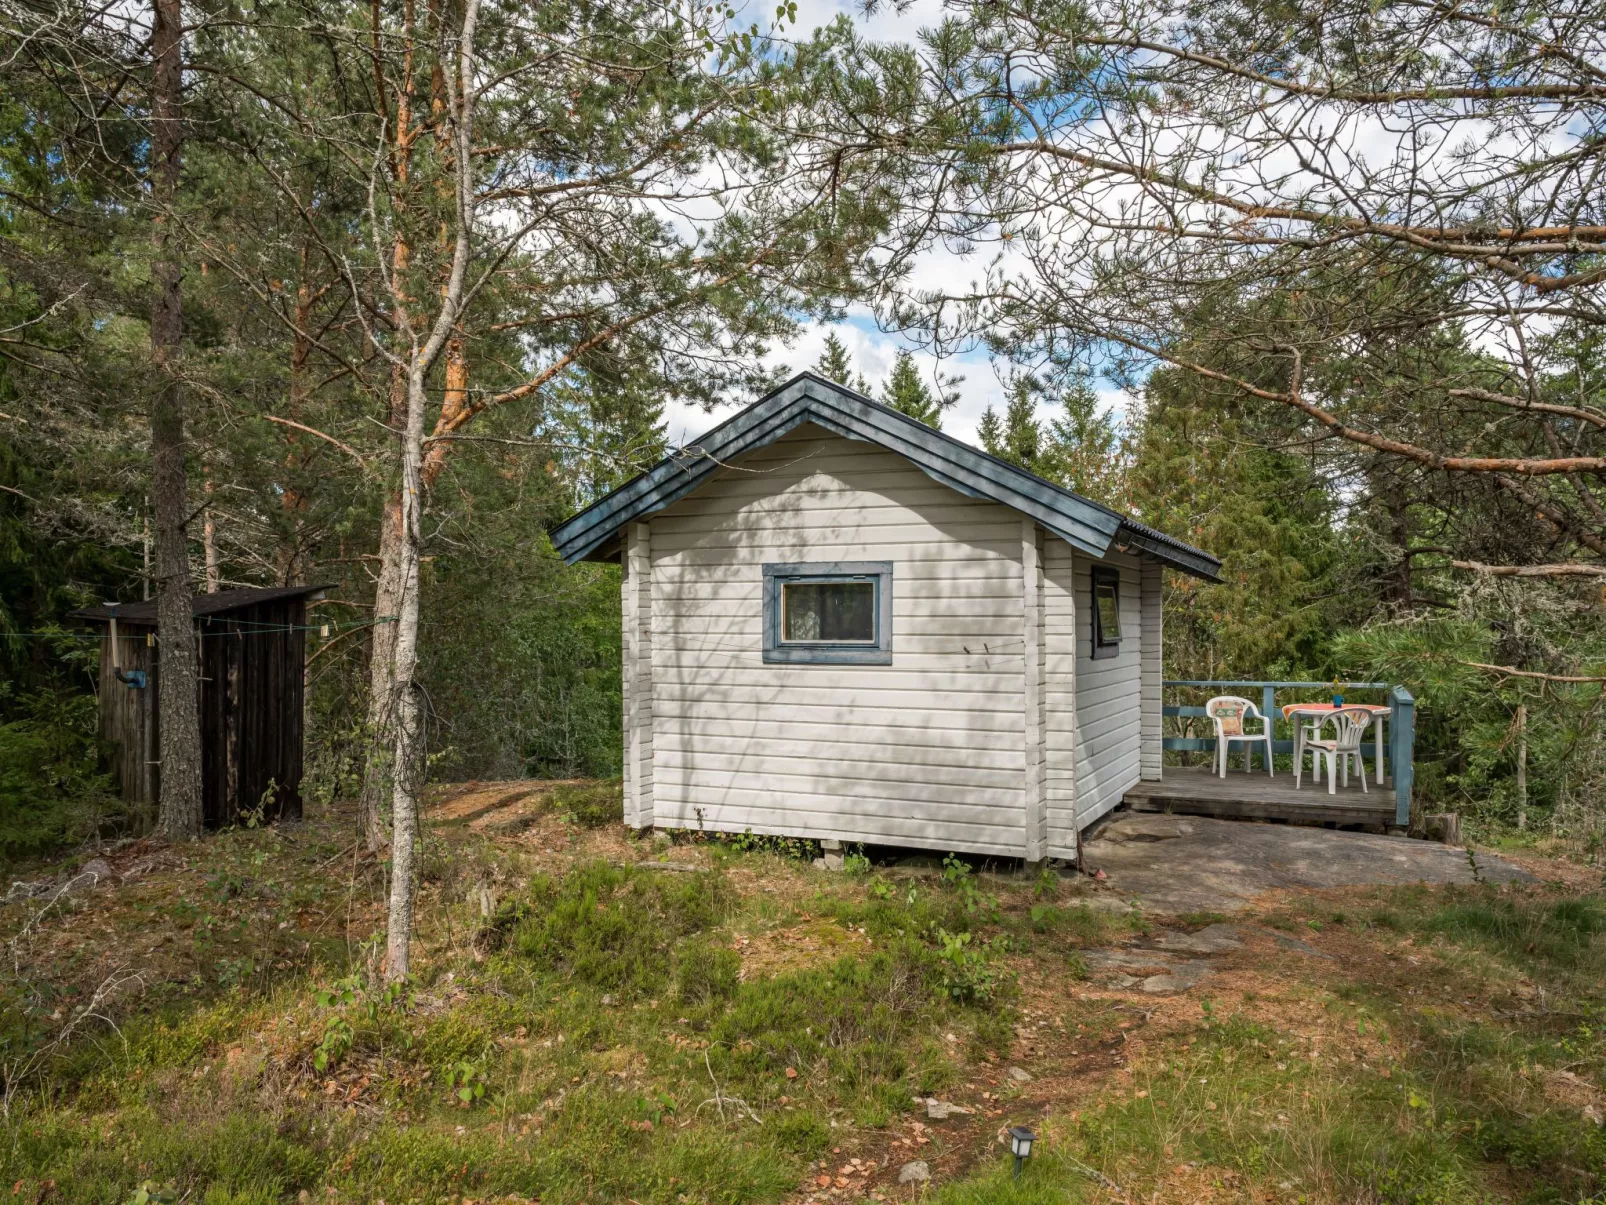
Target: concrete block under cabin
252, 691
840, 623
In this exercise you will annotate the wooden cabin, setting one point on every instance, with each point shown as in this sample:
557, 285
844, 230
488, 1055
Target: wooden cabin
840, 623
253, 671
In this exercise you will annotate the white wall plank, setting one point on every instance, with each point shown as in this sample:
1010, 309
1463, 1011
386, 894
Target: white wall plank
930, 750
1152, 755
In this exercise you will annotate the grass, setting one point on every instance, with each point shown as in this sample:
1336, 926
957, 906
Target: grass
1397, 1099
583, 1028
592, 1038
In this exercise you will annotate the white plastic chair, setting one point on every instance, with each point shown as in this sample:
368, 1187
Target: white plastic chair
1349, 725
1229, 712
1307, 727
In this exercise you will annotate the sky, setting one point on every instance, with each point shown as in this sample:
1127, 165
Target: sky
872, 350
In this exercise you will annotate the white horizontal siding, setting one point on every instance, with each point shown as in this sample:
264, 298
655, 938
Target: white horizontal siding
928, 751
1108, 691
1059, 697
1152, 673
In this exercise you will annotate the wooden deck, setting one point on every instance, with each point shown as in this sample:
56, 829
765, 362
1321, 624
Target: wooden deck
1196, 791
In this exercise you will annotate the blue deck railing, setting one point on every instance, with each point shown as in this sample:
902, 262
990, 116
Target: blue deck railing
1401, 748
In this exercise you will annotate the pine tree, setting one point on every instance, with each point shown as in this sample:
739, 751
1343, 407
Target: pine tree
906, 392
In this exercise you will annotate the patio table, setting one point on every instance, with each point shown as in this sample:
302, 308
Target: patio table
1294, 712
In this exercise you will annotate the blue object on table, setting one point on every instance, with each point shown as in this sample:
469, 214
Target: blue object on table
1338, 700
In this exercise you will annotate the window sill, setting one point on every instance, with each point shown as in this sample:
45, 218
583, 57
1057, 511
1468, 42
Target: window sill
827, 656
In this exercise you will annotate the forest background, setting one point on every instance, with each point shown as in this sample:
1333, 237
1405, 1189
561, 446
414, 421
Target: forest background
665, 200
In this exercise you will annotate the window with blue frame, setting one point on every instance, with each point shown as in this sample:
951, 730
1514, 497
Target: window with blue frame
828, 613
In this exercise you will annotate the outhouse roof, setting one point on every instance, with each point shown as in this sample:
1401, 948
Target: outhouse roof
809, 398
204, 604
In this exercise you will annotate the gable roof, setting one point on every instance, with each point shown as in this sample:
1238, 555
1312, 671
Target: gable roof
808, 398
219, 602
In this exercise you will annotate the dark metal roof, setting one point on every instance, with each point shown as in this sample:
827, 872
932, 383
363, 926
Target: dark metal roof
807, 398
204, 604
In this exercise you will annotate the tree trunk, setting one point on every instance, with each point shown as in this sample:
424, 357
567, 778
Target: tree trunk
179, 814
376, 784
407, 762
214, 573
1522, 766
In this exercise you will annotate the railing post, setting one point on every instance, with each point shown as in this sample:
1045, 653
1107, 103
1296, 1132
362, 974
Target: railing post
1268, 708
1402, 751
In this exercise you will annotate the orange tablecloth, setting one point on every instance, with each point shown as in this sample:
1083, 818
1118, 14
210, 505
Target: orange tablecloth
1288, 709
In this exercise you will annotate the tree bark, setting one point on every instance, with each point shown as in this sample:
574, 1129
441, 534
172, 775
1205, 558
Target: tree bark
179, 815
214, 572
407, 763
407, 760
1522, 766
376, 784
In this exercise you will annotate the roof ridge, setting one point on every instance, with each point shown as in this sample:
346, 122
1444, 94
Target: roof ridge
1079, 520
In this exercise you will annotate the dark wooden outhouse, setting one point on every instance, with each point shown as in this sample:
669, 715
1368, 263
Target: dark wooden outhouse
253, 663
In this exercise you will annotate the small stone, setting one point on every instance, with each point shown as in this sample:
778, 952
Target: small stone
1020, 1075
915, 1172
942, 1110
91, 875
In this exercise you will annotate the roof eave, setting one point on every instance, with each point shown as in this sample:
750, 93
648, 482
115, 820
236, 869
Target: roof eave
593, 534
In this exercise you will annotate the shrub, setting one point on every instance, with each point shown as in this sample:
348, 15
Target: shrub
707, 973
967, 971
593, 805
856, 1018
614, 928
51, 791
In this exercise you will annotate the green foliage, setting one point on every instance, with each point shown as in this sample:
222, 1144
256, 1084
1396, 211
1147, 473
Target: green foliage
969, 973
1201, 473
613, 928
706, 973
466, 1081
591, 805
848, 1026
904, 391
51, 789
1083, 449
353, 1001
1467, 741
1564, 939
835, 364
797, 849
957, 873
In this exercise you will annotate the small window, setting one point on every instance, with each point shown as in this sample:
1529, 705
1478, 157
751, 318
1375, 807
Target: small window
828, 613
1106, 613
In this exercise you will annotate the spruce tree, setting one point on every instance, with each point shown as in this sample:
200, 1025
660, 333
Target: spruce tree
906, 392
1016, 438
835, 364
